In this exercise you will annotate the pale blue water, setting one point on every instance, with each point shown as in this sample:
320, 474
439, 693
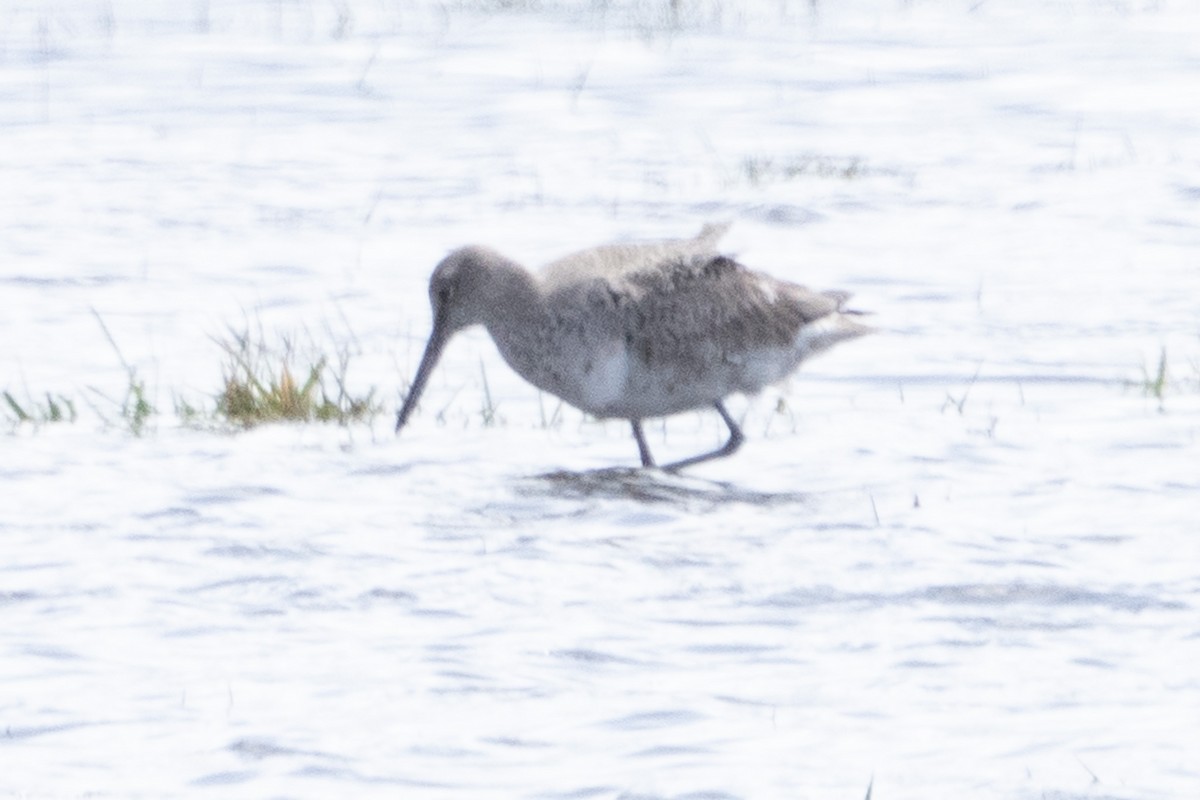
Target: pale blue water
909, 578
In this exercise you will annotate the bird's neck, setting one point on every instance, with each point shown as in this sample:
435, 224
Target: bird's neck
515, 314
513, 300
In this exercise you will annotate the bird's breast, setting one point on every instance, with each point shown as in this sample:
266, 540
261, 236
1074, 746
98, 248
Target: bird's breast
588, 370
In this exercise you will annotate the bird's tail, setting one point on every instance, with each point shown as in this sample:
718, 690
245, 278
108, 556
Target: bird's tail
713, 232
840, 325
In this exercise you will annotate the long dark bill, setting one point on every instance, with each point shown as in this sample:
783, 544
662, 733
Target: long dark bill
433, 351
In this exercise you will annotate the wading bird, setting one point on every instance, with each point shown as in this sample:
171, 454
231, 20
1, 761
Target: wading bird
635, 331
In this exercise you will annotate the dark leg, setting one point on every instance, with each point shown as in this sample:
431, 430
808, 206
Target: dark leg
735, 441
643, 450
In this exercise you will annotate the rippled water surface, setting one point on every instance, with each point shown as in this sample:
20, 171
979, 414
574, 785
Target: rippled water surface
960, 558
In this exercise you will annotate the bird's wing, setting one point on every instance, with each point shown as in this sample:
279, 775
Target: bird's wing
692, 310
612, 261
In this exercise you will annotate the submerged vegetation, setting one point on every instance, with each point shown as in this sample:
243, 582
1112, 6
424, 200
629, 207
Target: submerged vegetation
34, 412
762, 170
1156, 381
263, 381
1155, 385
134, 409
289, 378
1159, 381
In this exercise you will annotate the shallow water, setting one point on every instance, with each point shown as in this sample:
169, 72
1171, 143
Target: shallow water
958, 558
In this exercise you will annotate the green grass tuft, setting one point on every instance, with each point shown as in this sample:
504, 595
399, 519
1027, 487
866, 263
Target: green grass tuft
135, 407
1156, 385
33, 412
262, 383
21, 414
136, 410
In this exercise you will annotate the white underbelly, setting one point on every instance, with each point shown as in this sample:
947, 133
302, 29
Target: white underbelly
606, 379
603, 378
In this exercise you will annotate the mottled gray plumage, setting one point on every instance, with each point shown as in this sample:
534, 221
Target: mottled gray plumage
636, 330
